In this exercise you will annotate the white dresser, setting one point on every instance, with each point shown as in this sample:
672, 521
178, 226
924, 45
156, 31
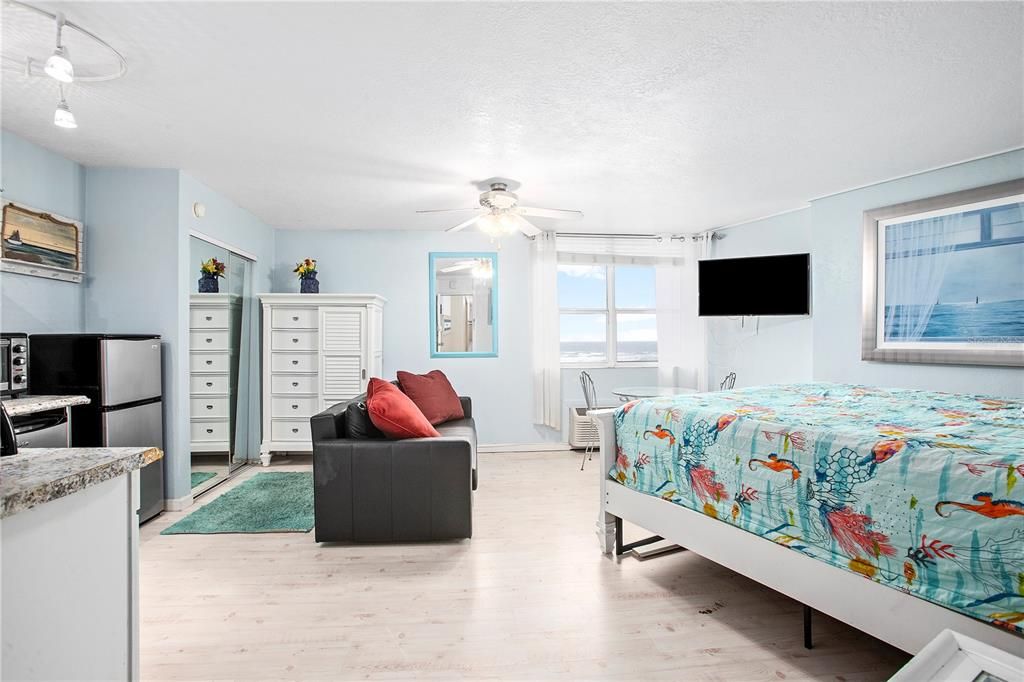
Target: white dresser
318, 350
214, 328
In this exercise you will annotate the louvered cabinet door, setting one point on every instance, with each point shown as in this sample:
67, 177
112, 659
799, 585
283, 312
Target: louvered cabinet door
343, 353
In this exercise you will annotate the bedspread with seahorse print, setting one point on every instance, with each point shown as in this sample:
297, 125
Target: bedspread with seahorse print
918, 490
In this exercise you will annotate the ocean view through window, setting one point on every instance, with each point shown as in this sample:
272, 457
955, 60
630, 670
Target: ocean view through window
607, 314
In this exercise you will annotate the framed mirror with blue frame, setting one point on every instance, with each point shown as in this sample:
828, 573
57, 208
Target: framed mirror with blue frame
464, 304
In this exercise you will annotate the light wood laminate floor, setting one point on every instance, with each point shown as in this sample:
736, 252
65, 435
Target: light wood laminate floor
530, 597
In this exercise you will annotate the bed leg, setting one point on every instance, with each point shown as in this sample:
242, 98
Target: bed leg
621, 549
807, 627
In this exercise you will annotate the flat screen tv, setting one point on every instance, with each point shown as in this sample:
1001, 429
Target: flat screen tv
763, 285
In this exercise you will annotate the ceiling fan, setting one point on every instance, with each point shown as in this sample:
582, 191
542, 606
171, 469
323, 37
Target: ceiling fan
481, 267
500, 213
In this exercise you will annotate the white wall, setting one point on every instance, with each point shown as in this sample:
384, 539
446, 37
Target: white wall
34, 176
770, 349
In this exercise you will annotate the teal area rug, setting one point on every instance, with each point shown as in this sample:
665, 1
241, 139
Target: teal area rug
269, 502
201, 477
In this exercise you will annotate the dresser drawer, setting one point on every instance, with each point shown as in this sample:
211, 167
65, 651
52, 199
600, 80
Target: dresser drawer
294, 318
210, 431
209, 318
209, 407
210, 362
302, 339
216, 384
290, 429
294, 407
293, 383
211, 339
294, 362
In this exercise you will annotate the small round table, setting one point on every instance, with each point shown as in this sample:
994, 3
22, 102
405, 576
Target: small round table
626, 393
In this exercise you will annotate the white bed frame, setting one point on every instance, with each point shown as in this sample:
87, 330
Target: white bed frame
892, 616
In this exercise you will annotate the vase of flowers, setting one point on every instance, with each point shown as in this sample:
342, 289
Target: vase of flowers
209, 273
306, 270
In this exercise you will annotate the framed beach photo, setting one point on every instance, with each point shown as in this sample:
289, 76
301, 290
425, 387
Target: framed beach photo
944, 279
41, 244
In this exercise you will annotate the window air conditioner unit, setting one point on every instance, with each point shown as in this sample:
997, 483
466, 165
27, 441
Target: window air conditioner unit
583, 431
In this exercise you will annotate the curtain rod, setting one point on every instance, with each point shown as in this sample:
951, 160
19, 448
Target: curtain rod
676, 237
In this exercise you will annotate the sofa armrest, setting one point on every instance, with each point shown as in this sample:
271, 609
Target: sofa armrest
467, 406
385, 490
330, 423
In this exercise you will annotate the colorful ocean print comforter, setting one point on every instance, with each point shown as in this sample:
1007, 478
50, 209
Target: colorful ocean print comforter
917, 490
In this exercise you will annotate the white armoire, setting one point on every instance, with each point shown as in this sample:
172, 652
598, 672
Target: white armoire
318, 350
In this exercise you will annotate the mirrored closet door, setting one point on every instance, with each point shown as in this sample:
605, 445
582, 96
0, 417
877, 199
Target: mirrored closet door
221, 312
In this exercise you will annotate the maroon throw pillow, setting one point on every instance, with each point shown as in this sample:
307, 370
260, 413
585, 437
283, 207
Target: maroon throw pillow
433, 394
394, 413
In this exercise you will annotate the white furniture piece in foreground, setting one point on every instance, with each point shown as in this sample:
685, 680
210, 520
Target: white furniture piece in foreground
902, 620
318, 350
214, 333
952, 657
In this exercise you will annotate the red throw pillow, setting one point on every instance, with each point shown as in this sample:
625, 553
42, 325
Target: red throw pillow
394, 413
433, 394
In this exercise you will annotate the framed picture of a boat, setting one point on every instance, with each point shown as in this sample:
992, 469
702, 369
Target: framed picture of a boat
944, 279
41, 244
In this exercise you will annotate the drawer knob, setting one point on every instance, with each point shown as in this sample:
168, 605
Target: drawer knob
209, 430
295, 318
295, 362
209, 384
209, 318
209, 362
295, 430
295, 407
209, 340
295, 384
209, 407
295, 340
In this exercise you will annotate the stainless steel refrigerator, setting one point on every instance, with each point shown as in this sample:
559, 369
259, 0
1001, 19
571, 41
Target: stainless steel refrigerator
121, 375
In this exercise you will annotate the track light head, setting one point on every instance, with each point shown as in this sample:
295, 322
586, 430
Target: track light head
59, 67
62, 117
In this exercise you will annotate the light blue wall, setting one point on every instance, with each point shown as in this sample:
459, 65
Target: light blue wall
772, 349
36, 177
837, 238
826, 347
394, 265
135, 257
237, 227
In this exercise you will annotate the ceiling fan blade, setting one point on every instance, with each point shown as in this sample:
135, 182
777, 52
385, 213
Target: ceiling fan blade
463, 225
464, 265
526, 227
449, 210
558, 213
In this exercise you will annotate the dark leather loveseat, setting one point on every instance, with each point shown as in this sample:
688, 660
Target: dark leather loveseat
379, 490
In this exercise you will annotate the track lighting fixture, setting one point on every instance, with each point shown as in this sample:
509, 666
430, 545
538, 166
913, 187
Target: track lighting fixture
62, 117
58, 66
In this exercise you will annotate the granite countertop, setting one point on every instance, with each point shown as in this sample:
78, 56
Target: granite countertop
41, 403
35, 476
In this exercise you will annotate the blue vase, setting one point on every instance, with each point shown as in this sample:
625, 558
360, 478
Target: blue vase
208, 284
309, 285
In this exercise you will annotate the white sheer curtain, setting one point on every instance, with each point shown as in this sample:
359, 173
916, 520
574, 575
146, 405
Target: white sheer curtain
917, 257
682, 343
547, 371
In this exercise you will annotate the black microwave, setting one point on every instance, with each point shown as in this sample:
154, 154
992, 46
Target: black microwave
13, 364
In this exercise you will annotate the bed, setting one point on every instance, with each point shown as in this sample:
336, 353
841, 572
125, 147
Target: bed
900, 512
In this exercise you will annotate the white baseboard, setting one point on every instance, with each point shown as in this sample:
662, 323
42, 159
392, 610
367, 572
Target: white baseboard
523, 447
178, 503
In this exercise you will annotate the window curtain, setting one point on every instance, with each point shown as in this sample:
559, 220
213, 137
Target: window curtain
547, 371
682, 343
917, 256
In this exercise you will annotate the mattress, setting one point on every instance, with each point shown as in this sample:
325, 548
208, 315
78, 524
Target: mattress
917, 490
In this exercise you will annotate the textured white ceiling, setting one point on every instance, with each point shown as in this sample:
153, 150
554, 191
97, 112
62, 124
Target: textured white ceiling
648, 117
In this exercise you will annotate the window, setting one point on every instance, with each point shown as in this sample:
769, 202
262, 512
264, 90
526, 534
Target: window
607, 314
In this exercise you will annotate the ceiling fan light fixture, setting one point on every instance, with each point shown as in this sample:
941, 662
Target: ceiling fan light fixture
59, 67
62, 117
483, 269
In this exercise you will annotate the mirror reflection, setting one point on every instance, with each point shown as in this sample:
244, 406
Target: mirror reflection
219, 359
464, 288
